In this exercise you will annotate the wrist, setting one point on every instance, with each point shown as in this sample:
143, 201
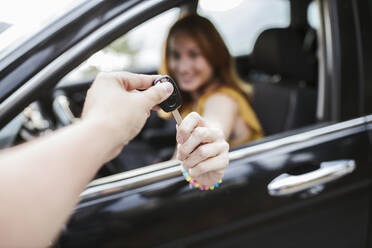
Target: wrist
106, 134
194, 183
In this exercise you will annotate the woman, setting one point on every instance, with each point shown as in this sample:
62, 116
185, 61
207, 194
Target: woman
196, 56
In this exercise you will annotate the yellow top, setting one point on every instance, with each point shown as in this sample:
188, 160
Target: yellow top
244, 110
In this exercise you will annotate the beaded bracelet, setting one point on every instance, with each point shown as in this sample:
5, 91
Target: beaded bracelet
196, 184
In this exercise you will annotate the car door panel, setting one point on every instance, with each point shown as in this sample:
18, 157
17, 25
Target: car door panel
240, 212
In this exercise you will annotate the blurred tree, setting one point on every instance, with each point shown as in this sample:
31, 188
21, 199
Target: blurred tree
91, 71
122, 45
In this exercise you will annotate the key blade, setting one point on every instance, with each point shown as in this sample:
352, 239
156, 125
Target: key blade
177, 116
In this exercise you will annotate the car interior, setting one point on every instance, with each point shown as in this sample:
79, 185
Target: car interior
282, 67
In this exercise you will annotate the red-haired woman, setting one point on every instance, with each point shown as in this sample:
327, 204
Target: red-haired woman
197, 58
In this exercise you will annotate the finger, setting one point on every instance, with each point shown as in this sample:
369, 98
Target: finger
127, 80
156, 108
156, 94
200, 135
204, 152
189, 123
213, 164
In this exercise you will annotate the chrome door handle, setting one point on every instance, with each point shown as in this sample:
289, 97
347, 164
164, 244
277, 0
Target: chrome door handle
286, 184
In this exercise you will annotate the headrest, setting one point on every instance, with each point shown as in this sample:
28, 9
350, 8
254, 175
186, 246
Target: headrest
288, 52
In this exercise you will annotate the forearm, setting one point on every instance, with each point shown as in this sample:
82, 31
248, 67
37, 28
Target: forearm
41, 181
221, 112
69, 158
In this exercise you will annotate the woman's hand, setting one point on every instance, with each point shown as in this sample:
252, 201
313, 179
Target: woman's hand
202, 150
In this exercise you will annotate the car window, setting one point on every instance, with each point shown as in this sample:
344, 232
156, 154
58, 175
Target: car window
287, 76
139, 50
241, 24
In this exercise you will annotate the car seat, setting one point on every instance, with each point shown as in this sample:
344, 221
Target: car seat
284, 79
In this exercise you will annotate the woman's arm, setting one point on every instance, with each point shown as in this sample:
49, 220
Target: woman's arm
221, 111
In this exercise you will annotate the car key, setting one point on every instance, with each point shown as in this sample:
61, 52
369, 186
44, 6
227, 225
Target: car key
172, 103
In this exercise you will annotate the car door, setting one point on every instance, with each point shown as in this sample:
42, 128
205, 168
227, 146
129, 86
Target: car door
308, 187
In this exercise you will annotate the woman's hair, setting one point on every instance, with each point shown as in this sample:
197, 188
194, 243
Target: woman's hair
212, 47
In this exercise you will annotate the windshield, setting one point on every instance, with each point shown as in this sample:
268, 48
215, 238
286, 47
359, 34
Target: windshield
19, 20
256, 16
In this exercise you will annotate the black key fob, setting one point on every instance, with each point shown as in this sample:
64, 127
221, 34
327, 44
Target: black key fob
174, 101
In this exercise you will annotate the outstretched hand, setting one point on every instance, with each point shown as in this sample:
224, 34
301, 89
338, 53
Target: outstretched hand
202, 149
115, 102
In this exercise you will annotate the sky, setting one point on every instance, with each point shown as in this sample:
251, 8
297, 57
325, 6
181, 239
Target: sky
27, 17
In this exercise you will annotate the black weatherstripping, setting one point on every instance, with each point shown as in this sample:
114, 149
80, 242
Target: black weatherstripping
363, 22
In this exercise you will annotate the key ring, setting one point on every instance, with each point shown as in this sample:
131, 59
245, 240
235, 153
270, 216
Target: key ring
196, 184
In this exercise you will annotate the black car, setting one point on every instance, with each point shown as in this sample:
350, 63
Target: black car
306, 184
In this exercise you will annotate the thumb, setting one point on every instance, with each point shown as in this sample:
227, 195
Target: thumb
156, 94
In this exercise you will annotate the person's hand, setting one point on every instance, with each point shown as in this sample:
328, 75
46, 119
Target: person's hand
121, 110
202, 149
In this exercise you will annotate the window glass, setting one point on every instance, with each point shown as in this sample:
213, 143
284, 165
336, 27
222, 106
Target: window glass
240, 22
139, 50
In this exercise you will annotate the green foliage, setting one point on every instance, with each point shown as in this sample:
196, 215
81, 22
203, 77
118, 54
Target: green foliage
123, 46
91, 71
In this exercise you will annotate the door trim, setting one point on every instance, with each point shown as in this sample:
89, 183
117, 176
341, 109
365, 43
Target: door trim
169, 169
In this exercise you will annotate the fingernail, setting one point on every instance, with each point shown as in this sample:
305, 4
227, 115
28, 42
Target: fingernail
168, 87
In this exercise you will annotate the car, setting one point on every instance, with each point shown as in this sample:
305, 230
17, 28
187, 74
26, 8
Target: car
307, 183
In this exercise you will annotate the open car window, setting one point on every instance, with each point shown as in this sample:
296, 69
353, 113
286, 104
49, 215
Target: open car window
292, 94
287, 77
138, 50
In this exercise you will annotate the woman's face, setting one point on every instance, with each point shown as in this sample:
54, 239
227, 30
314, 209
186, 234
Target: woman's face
187, 64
